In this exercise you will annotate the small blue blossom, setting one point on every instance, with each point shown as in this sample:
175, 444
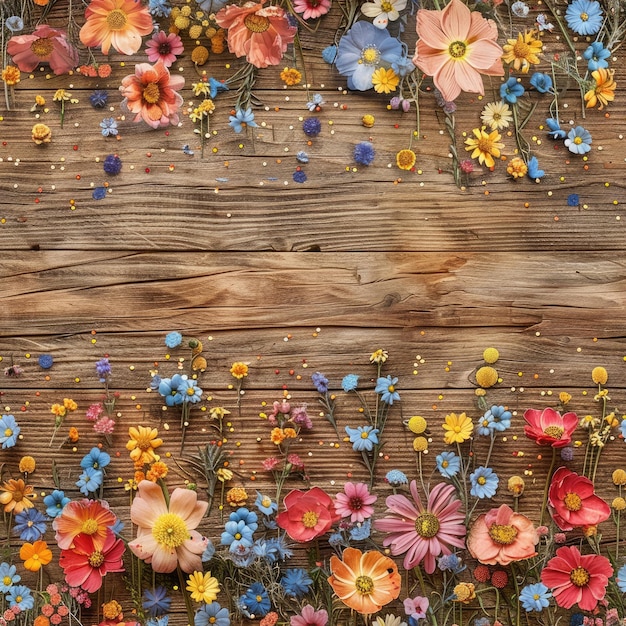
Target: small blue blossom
9, 431
45, 361
189, 390
541, 82
320, 382
302, 157
316, 102
236, 535
451, 563
362, 531
8, 577
296, 582
159, 8
20, 596
337, 539
108, 127
90, 481
211, 6
242, 514
168, 388
573, 199
329, 54
99, 193
173, 339
265, 504
500, 418
99, 99
363, 437
364, 153
543, 24
535, 597
350, 382
484, 482
622, 428
187, 150
103, 369
242, 119
278, 549
211, 615
534, 172
255, 601
511, 90
578, 140
14, 23
555, 131
216, 86
30, 525
396, 478
567, 454
55, 502
402, 66
112, 165
386, 386
596, 55
520, 9
448, 464
584, 17
156, 601
299, 176
483, 426
95, 458
312, 127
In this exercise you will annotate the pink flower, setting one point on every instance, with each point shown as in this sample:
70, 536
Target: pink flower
573, 502
416, 607
308, 514
311, 9
355, 502
44, 45
260, 34
577, 579
270, 463
423, 533
549, 428
455, 47
94, 411
164, 47
501, 537
309, 617
105, 425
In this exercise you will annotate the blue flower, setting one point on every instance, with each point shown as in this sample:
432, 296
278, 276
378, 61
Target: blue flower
337, 539
350, 382
112, 165
296, 582
156, 601
484, 482
302, 157
109, 127
402, 65
173, 339
361, 531
448, 464
577, 619
90, 481
255, 601
315, 103
159, 621
9, 430
364, 153
99, 99
596, 55
622, 428
520, 9
483, 427
95, 458
386, 386
578, 140
555, 132
362, 50
55, 502
249, 518
543, 24
533, 169
500, 418
396, 478
189, 390
20, 596
573, 199
236, 535
363, 437
211, 6
535, 597
329, 54
620, 579
312, 127
541, 82
212, 614
99, 193
103, 369
320, 382
584, 17
208, 553
8, 577
450, 563
265, 504
159, 8
168, 388
277, 546
30, 524
242, 119
215, 86
511, 90
45, 361
299, 176
14, 23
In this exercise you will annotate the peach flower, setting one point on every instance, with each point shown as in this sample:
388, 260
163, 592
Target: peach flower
44, 45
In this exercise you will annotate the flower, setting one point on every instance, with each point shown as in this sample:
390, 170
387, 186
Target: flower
44, 45
362, 50
383, 11
484, 482
405, 159
203, 587
117, 23
385, 80
396, 478
620, 579
16, 495
296, 582
108, 127
320, 382
496, 115
541, 82
88, 517
386, 386
517, 168
502, 537
448, 464
308, 514
423, 533
548, 428
596, 55
9, 431
90, 481
455, 47
166, 535
577, 579
555, 131
533, 169
8, 576
95, 459
212, 615
20, 597
152, 94
484, 146
604, 89
584, 17
55, 502
164, 47
112, 164
156, 601
11, 75
30, 524
573, 502
364, 581
14, 23
242, 119
416, 607
535, 597
511, 90
260, 34
312, 126
309, 617
523, 51
255, 601
311, 9
85, 565
355, 502
173, 339
363, 438
350, 381
35, 555
458, 428
520, 9
142, 444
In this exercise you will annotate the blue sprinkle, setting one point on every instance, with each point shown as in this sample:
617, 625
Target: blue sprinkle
45, 361
573, 200
99, 193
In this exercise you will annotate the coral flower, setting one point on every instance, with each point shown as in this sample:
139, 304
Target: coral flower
117, 23
311, 9
35, 555
455, 47
577, 579
16, 496
484, 146
423, 533
501, 537
603, 91
87, 517
549, 428
459, 428
355, 502
166, 536
165, 47
573, 502
308, 514
84, 565
143, 441
44, 45
153, 95
523, 51
364, 581
260, 34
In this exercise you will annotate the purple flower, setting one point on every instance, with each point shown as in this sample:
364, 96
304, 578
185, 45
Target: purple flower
320, 382
311, 127
103, 369
112, 165
364, 153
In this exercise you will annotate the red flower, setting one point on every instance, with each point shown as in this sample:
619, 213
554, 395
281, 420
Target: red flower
309, 514
573, 502
577, 579
549, 428
85, 566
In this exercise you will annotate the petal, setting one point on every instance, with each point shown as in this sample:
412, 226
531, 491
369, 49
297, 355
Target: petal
184, 502
455, 21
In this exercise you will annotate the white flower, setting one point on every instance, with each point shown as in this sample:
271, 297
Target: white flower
383, 11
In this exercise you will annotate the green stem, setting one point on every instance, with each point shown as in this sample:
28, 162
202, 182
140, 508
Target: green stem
545, 490
188, 605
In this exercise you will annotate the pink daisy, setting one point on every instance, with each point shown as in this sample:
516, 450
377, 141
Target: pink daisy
423, 533
165, 47
310, 617
355, 502
311, 9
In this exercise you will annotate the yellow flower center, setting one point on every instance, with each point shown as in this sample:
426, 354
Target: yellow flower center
556, 432
481, 480
386, 7
7, 581
573, 502
42, 47
364, 435
237, 536
35, 557
504, 534
96, 559
584, 17
170, 530
256, 23
427, 525
151, 94
484, 145
190, 391
89, 527
370, 56
391, 389
444, 464
266, 501
116, 19
18, 599
521, 50
8, 432
212, 620
364, 585
309, 519
457, 49
578, 140
579, 576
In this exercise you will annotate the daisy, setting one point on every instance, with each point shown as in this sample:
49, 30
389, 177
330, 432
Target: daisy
311, 9
203, 587
88, 517
523, 51
604, 89
484, 146
143, 441
459, 428
423, 533
165, 47
355, 502
405, 159
383, 11
309, 617
497, 115
16, 496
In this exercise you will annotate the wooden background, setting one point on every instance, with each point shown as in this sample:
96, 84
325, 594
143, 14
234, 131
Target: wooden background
297, 278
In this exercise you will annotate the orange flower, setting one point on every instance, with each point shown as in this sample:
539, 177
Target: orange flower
117, 23
239, 370
603, 91
157, 470
143, 441
41, 620
15, 495
364, 581
35, 555
277, 435
88, 517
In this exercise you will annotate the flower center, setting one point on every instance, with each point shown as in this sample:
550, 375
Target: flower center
573, 502
256, 23
364, 585
165, 48
151, 95
370, 56
190, 390
579, 576
504, 534
18, 496
481, 480
521, 50
427, 525
386, 7
391, 389
170, 530
309, 519
89, 527
556, 432
8, 432
116, 19
356, 504
266, 501
364, 435
578, 140
457, 49
484, 145
42, 47
445, 464
96, 559
584, 17
7, 581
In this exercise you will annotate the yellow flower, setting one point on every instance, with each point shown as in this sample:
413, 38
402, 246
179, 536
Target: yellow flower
239, 370
385, 80
464, 592
237, 496
157, 470
199, 55
517, 168
143, 441
417, 424
619, 504
405, 159
420, 444
497, 115
40, 100
15, 495
604, 89
203, 587
523, 51
290, 433
619, 477
599, 375
491, 355
368, 120
516, 486
379, 356
201, 89
58, 409
218, 413
487, 377
484, 146
73, 434
27, 465
11, 75
69, 404
224, 474
277, 435
458, 428
564, 397
60, 95
111, 610
290, 76
35, 555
